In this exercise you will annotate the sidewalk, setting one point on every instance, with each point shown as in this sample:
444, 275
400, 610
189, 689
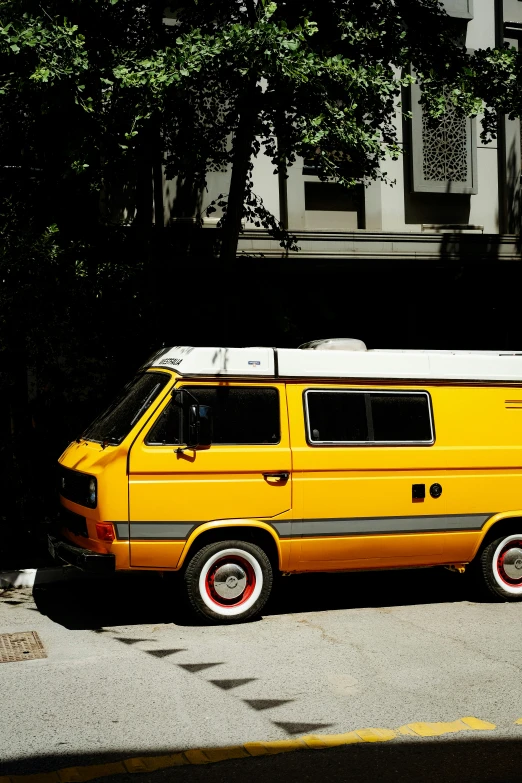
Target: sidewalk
28, 577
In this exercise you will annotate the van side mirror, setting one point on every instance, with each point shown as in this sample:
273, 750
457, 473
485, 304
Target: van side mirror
199, 426
195, 421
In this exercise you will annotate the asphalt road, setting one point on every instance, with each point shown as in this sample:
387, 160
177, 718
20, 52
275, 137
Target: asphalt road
333, 654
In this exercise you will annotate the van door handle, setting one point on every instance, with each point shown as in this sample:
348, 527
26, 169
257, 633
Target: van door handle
281, 476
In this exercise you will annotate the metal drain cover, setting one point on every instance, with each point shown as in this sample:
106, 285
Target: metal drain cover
25, 646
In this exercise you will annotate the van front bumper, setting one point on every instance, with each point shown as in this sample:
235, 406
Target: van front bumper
93, 562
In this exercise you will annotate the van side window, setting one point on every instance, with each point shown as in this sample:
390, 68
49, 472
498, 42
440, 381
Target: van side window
401, 417
241, 415
165, 431
336, 417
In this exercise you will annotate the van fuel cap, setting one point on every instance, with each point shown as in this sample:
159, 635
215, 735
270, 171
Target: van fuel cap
435, 490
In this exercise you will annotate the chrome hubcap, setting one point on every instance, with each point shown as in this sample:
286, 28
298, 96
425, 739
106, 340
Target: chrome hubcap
512, 563
230, 581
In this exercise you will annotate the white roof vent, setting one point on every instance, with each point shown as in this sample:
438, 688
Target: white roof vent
335, 344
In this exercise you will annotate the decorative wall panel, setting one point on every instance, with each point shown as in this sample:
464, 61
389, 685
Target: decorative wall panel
443, 153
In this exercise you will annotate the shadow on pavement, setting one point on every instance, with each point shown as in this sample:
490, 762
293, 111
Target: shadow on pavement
320, 592
125, 599
142, 598
483, 760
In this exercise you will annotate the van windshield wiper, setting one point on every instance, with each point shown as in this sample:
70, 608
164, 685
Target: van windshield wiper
112, 440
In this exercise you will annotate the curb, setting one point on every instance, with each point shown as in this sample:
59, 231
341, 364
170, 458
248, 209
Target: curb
199, 756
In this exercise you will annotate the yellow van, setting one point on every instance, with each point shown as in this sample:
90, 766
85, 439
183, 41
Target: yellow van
229, 465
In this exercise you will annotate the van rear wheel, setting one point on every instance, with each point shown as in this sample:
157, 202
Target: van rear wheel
228, 581
501, 562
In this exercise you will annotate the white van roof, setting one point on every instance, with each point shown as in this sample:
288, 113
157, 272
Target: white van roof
338, 362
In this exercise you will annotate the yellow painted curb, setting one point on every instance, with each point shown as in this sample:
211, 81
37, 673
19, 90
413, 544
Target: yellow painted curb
438, 729
199, 756
152, 763
271, 748
478, 725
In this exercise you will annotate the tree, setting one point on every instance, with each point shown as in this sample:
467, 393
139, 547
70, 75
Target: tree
95, 97
98, 93
319, 80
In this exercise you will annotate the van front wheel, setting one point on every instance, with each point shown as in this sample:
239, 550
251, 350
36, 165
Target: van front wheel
501, 562
228, 582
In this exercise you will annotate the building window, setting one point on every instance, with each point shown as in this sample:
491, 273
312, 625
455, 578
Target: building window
459, 9
322, 197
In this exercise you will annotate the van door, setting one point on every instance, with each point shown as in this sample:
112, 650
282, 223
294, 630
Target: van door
363, 470
245, 474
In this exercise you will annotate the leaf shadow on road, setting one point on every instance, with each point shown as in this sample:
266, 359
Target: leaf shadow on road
143, 598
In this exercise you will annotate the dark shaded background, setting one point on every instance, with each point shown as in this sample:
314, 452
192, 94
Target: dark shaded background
70, 346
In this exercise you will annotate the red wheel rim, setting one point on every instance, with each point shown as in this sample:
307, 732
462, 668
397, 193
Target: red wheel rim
509, 563
219, 569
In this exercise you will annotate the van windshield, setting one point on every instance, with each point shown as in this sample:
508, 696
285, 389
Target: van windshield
120, 417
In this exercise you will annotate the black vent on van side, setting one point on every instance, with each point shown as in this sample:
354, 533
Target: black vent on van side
513, 404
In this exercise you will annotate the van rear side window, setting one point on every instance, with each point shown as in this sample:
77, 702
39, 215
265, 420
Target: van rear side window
241, 415
368, 417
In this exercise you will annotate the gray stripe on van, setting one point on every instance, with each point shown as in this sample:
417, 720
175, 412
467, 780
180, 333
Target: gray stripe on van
301, 528
161, 531
379, 525
122, 530
283, 528
168, 531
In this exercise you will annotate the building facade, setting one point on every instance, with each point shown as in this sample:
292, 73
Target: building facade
442, 232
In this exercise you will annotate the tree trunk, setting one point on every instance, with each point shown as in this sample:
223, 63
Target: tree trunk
242, 155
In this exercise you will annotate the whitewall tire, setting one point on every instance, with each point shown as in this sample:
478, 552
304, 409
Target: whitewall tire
501, 562
228, 581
